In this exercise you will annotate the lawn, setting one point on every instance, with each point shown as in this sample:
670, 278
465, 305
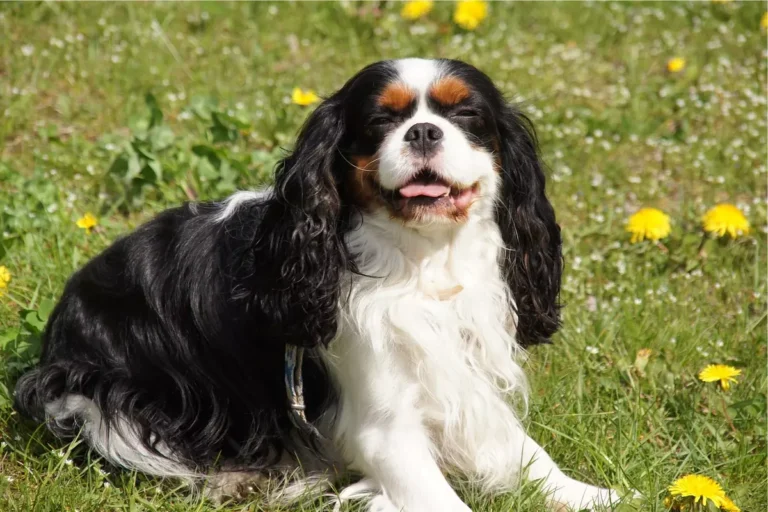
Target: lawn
122, 110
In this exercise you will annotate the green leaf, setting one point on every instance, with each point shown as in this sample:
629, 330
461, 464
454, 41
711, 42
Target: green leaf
152, 172
160, 138
155, 114
8, 336
45, 308
33, 321
205, 170
202, 106
211, 154
144, 153
119, 166
134, 167
222, 129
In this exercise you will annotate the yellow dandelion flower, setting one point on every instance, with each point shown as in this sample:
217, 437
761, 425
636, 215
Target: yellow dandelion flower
725, 218
650, 224
469, 13
304, 98
764, 21
720, 372
676, 64
87, 222
728, 506
416, 9
5, 276
701, 488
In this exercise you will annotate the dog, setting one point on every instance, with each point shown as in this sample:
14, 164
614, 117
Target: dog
403, 260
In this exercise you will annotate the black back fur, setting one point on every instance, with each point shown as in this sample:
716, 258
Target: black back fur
182, 325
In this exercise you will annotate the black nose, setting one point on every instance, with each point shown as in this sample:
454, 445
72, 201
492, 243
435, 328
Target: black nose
423, 137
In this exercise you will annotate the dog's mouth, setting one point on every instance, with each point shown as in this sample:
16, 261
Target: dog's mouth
429, 190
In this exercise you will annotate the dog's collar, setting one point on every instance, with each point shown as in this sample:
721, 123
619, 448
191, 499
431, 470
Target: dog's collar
294, 386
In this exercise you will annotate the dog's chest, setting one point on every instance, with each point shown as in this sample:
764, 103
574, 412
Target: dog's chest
419, 293
432, 314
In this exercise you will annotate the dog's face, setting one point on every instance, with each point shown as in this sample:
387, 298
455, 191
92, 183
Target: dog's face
431, 144
422, 140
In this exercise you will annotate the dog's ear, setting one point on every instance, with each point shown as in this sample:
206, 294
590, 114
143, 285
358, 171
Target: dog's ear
532, 263
299, 247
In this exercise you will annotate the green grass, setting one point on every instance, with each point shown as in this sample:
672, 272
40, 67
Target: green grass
617, 131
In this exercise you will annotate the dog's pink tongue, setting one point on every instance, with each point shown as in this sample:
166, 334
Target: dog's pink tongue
424, 189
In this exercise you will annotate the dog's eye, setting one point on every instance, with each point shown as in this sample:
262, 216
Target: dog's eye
466, 112
380, 121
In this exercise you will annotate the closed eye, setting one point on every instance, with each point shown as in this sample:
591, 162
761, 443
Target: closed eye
465, 112
380, 121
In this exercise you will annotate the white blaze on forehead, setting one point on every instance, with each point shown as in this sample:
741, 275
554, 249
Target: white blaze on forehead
418, 74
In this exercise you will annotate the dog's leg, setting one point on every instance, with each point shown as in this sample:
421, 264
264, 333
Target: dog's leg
398, 456
383, 436
562, 491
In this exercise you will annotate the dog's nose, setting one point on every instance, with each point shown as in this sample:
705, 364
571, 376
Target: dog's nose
424, 137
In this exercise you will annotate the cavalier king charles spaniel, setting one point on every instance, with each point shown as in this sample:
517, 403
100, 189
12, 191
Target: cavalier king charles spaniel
407, 251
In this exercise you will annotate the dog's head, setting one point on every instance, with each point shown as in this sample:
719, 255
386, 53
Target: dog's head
429, 143
422, 140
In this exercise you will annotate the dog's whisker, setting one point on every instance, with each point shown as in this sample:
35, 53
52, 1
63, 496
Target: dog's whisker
373, 161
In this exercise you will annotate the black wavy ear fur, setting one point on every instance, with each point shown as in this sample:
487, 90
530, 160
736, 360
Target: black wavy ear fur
300, 239
533, 261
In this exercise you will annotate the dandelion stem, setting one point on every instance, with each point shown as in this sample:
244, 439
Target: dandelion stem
725, 414
701, 246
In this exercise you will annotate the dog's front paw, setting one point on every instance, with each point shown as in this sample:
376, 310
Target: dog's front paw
575, 496
381, 503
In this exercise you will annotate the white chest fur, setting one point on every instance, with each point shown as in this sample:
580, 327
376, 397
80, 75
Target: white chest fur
425, 335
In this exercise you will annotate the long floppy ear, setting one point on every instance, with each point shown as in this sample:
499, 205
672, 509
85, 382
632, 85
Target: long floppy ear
533, 261
299, 248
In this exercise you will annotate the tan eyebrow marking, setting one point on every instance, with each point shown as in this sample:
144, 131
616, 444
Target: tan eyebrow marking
396, 96
449, 90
